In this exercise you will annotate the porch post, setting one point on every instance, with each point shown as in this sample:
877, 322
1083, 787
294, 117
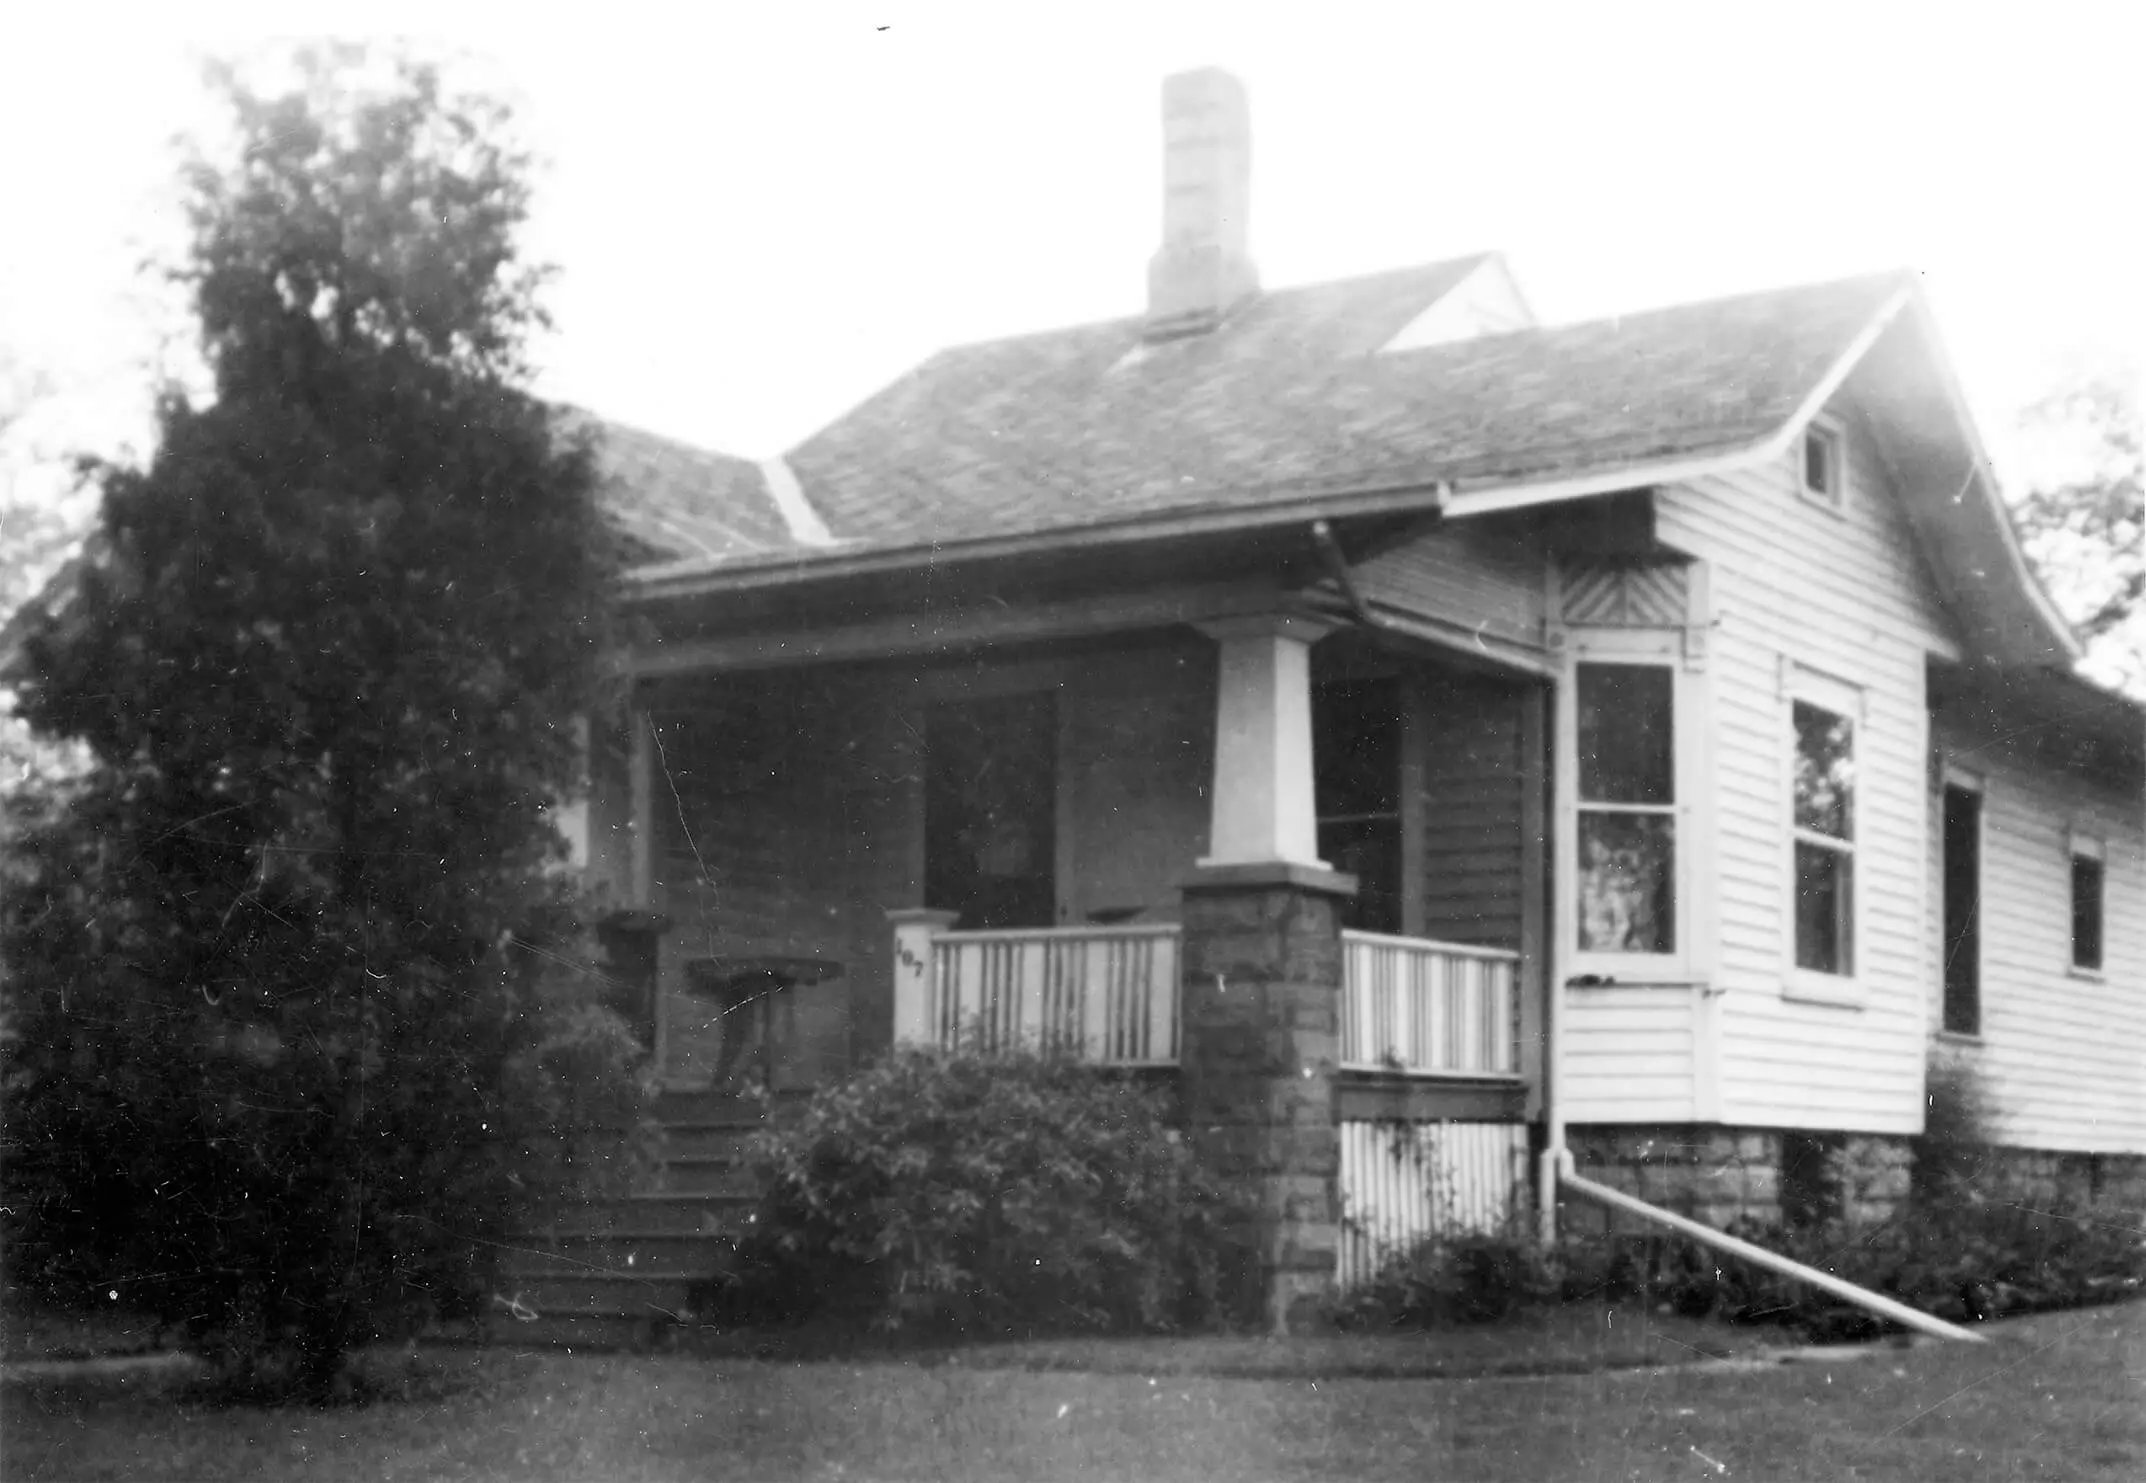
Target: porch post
641, 783
914, 929
1261, 806
1262, 978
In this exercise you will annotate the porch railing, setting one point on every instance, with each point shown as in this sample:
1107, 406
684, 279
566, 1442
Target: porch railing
1429, 1008
1106, 995
1109, 995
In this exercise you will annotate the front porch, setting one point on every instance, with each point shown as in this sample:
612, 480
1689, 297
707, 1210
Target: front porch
1006, 846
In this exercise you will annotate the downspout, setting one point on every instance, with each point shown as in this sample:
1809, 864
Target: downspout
1336, 562
1556, 1159
1759, 1256
1554, 1156
1555, 1170
1337, 567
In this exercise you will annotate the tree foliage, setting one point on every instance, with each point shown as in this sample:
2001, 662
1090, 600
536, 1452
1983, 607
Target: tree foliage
2084, 522
284, 1066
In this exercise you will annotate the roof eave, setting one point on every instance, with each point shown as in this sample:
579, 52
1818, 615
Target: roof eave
2058, 631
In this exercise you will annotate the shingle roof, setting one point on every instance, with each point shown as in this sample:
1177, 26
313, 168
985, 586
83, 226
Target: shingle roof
1292, 398
675, 502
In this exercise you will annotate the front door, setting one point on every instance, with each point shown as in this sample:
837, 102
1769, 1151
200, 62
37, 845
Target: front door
990, 811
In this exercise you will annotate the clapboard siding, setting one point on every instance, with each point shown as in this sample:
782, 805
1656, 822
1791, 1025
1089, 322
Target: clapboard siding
1630, 1055
2062, 1055
1472, 810
1479, 580
1137, 742
1845, 594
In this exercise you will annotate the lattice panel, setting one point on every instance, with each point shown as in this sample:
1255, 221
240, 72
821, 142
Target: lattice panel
1617, 594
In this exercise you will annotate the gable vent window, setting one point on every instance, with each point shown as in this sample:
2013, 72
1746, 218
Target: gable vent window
1822, 465
2086, 892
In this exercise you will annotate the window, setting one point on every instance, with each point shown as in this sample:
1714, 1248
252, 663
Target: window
990, 810
1824, 847
1822, 479
1356, 762
1963, 909
2087, 855
1625, 749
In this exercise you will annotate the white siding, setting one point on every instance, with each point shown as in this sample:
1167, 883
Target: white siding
2063, 1055
1843, 593
1631, 1055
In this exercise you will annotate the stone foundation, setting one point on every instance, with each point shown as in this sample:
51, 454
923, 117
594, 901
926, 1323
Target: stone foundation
1775, 1177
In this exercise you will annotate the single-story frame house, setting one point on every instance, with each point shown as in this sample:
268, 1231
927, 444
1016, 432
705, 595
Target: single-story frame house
1410, 727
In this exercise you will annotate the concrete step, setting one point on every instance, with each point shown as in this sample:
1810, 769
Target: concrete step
571, 1331
706, 1140
662, 1213
660, 1295
627, 1253
674, 1105
714, 1176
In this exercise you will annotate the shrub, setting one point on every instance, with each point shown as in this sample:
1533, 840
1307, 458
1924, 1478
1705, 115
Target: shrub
1955, 1149
1477, 1277
956, 1192
1964, 1263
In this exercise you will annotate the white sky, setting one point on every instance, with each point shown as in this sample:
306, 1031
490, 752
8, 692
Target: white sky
760, 220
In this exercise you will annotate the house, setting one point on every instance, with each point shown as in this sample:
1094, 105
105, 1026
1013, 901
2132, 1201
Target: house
1641, 737
1407, 726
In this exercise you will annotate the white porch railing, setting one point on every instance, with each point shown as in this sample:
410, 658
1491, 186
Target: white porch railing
1107, 995
1429, 1008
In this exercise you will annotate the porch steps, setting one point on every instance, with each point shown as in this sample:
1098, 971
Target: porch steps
616, 1273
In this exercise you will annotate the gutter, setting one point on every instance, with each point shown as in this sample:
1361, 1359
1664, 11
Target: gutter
1759, 1256
1452, 499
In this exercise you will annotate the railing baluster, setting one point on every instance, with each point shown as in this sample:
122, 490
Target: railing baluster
1106, 995
1436, 1008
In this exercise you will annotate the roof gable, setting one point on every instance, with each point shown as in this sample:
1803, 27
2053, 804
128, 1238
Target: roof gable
1486, 302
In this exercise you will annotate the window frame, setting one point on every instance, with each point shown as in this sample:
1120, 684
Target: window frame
1663, 648
1836, 697
1826, 434
1954, 779
2088, 845
1394, 819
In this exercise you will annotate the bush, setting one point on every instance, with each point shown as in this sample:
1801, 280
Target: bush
1469, 1278
1955, 1149
961, 1193
1963, 1263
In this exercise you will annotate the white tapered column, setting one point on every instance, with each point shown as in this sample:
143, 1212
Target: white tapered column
1263, 810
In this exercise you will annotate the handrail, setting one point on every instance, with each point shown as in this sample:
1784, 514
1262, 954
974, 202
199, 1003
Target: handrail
1759, 1256
1047, 934
1453, 949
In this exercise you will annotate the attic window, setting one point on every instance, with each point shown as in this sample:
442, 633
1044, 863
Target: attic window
1822, 465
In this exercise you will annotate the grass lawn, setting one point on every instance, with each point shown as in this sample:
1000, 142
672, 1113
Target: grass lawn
2057, 1396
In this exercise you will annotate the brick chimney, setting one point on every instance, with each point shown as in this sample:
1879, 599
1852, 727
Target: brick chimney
1203, 270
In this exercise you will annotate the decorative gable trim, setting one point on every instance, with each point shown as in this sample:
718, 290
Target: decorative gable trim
1626, 594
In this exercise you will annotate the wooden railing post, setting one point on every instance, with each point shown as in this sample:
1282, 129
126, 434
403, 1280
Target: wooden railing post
914, 929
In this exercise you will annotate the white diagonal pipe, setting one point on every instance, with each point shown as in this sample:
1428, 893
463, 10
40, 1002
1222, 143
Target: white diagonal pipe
1759, 1256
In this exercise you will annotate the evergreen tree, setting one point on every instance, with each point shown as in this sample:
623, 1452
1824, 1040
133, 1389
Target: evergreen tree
281, 1065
